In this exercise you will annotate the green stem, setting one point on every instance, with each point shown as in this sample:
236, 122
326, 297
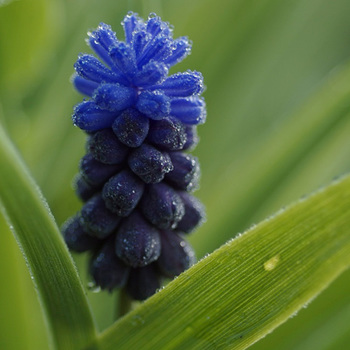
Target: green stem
124, 304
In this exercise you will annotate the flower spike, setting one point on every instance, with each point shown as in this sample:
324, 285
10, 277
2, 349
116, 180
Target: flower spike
135, 180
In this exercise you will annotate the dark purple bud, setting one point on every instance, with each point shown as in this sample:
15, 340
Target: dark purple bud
83, 189
143, 282
192, 137
149, 164
186, 173
95, 172
96, 219
137, 242
75, 236
131, 127
194, 213
106, 148
177, 255
168, 134
122, 192
162, 206
107, 270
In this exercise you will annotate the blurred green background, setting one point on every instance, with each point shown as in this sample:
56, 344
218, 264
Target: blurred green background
278, 97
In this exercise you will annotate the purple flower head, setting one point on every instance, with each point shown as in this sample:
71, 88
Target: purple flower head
134, 74
135, 178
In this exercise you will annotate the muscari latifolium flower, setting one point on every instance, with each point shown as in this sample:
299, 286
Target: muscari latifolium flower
137, 176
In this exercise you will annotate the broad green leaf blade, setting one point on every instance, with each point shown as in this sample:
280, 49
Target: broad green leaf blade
51, 267
248, 287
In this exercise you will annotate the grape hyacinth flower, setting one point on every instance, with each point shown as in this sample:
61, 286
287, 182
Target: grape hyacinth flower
136, 179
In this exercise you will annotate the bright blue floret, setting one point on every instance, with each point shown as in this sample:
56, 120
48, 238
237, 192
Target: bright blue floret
135, 178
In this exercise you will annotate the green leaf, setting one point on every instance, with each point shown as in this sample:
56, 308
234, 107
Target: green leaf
51, 267
17, 290
251, 285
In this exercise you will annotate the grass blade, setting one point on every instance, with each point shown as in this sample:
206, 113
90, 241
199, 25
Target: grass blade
59, 288
251, 285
